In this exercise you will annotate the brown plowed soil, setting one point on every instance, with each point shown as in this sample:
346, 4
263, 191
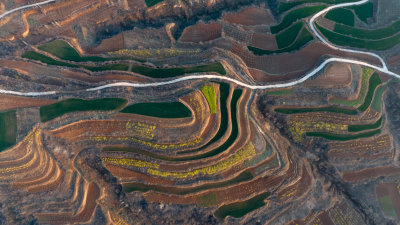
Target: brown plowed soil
114, 43
336, 75
370, 173
201, 32
296, 63
8, 102
264, 41
250, 16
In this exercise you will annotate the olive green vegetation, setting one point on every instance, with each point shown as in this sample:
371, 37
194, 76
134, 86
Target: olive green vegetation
137, 186
343, 40
234, 133
368, 34
65, 51
209, 93
60, 108
366, 73
332, 109
208, 199
223, 126
151, 3
387, 206
44, 59
147, 71
340, 15
377, 101
224, 94
288, 36
159, 109
295, 15
285, 6
281, 92
374, 82
239, 209
364, 11
8, 129
362, 127
304, 37
343, 137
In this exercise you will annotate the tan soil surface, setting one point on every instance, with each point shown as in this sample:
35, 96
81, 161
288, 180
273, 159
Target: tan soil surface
250, 16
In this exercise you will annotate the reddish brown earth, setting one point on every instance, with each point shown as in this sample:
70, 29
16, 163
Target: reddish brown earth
114, 43
300, 62
14, 102
357, 176
250, 16
264, 41
201, 32
336, 75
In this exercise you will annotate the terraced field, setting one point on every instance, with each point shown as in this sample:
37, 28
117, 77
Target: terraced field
199, 112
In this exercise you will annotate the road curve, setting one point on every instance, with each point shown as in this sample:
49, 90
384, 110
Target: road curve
25, 7
383, 69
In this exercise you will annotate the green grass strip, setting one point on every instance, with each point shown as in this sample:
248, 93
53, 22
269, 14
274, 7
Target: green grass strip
304, 37
44, 59
239, 209
343, 40
151, 3
340, 15
285, 6
368, 34
209, 93
147, 71
366, 74
374, 82
362, 127
377, 102
223, 99
343, 137
159, 109
63, 50
288, 36
332, 109
135, 186
295, 15
364, 11
60, 108
234, 133
8, 129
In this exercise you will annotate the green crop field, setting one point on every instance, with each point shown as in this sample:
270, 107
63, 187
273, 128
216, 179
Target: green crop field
340, 15
285, 6
223, 99
288, 36
343, 40
234, 133
63, 50
239, 209
151, 3
343, 137
377, 102
304, 37
362, 127
364, 11
332, 109
8, 129
368, 34
374, 82
366, 74
60, 108
147, 71
387, 206
209, 93
159, 109
295, 15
